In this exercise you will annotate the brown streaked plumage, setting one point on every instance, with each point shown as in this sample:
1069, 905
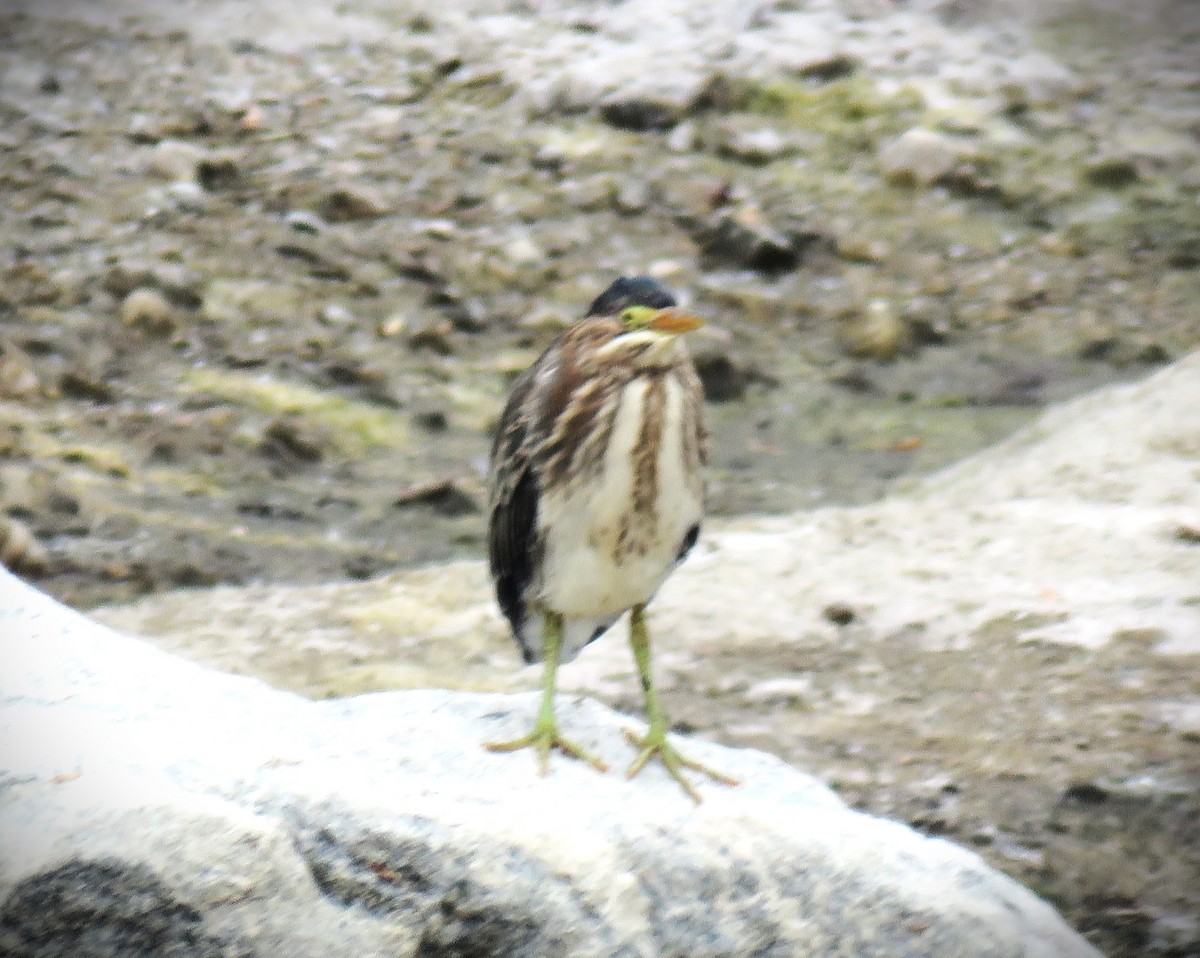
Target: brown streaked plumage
597, 494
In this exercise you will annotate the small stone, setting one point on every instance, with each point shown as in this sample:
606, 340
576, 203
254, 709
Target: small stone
862, 249
440, 229
723, 377
445, 496
682, 139
467, 314
826, 67
1111, 172
1186, 253
523, 251
1086, 793
839, 613
632, 197
19, 550
745, 237
291, 440
667, 270
928, 321
123, 278
174, 160
1188, 533
186, 195
335, 314
780, 691
349, 204
433, 335
147, 309
872, 332
302, 221
78, 384
641, 113
756, 146
391, 326
921, 157
218, 171
18, 378
432, 420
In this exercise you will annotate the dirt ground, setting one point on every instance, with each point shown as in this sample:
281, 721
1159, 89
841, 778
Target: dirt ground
259, 308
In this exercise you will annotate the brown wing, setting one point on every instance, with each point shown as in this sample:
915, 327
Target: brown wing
513, 547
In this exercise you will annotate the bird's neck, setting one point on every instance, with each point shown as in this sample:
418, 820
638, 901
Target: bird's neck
646, 349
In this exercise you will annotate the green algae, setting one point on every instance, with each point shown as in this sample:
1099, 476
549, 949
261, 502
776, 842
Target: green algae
350, 422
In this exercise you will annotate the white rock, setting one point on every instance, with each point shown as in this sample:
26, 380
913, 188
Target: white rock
149, 801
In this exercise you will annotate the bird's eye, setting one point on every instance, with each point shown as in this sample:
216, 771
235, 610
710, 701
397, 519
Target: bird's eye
637, 317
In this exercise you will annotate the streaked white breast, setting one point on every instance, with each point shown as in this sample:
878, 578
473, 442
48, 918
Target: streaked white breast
582, 577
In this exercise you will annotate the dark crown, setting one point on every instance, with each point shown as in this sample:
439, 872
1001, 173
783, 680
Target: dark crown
631, 291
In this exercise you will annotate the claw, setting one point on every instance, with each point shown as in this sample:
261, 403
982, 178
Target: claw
655, 743
544, 737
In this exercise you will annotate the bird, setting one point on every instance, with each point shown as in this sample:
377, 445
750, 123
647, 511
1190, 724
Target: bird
596, 495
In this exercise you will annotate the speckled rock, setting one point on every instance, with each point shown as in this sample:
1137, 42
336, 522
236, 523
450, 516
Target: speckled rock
152, 805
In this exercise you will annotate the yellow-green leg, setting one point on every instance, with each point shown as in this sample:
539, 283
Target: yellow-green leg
545, 734
654, 742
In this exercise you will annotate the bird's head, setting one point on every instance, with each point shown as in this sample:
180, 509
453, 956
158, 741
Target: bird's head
649, 318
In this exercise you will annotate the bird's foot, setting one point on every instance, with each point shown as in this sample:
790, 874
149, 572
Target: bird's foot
545, 736
654, 742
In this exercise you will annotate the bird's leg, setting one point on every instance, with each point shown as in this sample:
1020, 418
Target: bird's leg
545, 734
655, 740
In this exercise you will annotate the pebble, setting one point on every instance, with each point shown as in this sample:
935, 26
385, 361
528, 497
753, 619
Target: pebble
1111, 172
186, 195
392, 325
724, 378
757, 146
671, 271
745, 237
683, 138
123, 278
874, 331
642, 113
18, 379
80, 384
19, 550
288, 439
335, 314
433, 335
782, 690
632, 196
1183, 718
862, 249
523, 251
147, 309
920, 157
302, 221
217, 171
350, 204
174, 160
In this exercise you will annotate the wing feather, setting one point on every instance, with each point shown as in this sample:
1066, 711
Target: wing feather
513, 541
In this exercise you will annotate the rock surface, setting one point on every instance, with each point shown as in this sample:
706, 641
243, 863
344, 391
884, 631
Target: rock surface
1004, 653
151, 806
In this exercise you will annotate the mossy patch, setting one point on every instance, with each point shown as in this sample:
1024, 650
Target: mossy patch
352, 424
853, 110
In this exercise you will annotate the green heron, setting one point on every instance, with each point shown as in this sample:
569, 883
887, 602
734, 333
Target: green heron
596, 497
